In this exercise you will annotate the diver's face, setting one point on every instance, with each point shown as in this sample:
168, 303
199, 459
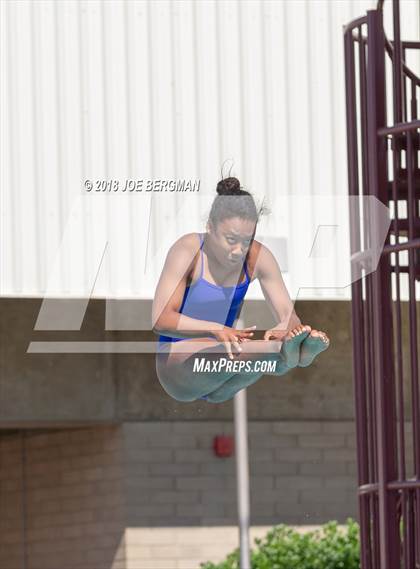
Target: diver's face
231, 239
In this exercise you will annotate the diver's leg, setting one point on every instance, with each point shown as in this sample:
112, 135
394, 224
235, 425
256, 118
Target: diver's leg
181, 377
204, 371
192, 377
229, 388
288, 358
241, 381
289, 345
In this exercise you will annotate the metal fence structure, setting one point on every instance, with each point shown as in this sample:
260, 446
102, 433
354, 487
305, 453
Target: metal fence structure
383, 161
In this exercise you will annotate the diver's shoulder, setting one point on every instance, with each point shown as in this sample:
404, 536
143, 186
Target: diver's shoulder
188, 243
257, 257
253, 254
256, 248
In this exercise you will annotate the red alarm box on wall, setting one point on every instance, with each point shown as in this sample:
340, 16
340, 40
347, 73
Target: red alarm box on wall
223, 445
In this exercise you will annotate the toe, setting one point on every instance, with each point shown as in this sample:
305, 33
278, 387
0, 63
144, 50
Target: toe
323, 336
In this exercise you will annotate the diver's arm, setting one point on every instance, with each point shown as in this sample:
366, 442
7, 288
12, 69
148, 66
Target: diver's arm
166, 318
274, 290
176, 325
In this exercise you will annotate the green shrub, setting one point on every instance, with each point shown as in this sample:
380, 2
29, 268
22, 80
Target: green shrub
284, 548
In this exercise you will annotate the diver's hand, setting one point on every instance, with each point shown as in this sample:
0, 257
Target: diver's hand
275, 334
232, 337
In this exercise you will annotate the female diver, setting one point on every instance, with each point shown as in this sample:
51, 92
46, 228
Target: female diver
200, 294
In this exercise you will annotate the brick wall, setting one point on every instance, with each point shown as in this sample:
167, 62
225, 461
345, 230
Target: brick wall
183, 499
301, 472
61, 502
145, 495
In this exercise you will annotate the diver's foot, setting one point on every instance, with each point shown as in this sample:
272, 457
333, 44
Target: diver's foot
290, 349
313, 345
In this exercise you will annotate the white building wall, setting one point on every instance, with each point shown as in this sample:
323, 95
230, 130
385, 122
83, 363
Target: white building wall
165, 90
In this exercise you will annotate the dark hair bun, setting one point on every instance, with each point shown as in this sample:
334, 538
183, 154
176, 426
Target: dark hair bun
229, 187
233, 201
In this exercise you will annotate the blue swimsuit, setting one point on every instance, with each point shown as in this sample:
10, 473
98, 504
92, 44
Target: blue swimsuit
206, 301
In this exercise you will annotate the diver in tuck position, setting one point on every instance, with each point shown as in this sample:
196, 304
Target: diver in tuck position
199, 296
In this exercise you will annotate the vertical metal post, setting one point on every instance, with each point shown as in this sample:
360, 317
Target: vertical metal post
242, 475
382, 321
357, 297
396, 68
